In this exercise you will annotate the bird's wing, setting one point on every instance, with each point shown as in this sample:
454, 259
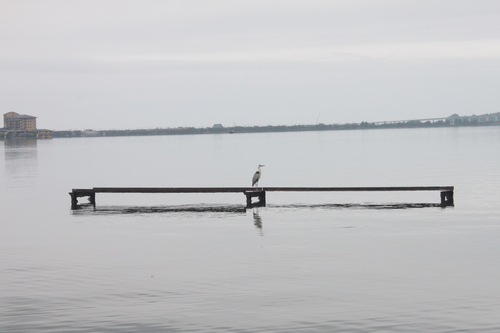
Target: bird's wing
255, 178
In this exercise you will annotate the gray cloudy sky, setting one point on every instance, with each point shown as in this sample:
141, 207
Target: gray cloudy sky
121, 64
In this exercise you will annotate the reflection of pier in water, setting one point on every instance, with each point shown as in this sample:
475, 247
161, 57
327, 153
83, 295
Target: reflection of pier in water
257, 221
216, 210
89, 209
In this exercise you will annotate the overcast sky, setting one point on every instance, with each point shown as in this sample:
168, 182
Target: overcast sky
121, 64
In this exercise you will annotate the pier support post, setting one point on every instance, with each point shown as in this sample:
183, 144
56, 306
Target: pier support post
260, 194
92, 199
74, 200
78, 193
447, 198
262, 198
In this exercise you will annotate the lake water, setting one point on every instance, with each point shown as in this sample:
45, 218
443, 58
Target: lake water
308, 262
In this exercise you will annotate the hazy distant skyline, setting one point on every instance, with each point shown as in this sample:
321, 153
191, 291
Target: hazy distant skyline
118, 64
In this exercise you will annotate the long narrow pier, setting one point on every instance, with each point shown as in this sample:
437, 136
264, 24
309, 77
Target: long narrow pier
446, 192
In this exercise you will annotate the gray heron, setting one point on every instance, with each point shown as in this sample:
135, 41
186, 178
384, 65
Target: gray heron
256, 176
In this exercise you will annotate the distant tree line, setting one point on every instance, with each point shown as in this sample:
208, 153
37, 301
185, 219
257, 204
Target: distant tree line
449, 122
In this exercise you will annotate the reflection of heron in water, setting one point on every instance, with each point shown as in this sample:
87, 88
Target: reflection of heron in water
257, 221
256, 176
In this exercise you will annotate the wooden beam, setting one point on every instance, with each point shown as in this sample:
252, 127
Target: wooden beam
259, 189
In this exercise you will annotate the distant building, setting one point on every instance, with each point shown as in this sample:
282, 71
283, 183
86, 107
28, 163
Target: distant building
16, 121
217, 126
44, 134
22, 125
90, 132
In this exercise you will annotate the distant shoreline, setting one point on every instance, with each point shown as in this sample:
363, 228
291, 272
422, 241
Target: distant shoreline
453, 121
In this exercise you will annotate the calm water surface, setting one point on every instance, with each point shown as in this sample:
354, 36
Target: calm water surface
309, 262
